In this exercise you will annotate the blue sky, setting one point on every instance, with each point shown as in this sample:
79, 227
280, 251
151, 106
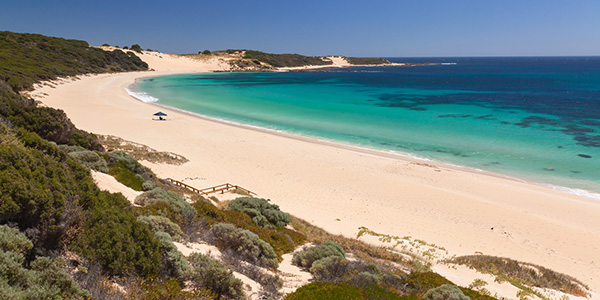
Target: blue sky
400, 28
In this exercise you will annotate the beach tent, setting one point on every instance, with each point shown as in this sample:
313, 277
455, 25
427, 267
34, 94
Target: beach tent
160, 115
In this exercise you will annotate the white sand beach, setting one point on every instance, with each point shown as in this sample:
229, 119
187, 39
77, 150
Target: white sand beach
341, 189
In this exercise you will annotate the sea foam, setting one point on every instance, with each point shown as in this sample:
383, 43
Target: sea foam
142, 96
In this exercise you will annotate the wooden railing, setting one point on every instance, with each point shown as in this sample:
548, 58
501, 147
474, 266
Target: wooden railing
222, 188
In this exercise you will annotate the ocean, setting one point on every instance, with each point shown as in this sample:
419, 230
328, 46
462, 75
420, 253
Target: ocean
531, 118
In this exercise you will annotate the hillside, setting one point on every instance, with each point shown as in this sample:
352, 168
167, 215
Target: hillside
28, 58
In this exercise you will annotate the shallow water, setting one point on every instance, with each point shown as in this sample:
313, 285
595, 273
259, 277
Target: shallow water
533, 118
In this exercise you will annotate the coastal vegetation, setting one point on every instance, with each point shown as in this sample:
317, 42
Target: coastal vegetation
285, 60
367, 60
28, 58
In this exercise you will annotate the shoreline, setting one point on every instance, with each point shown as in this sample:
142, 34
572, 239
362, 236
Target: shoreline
341, 189
407, 157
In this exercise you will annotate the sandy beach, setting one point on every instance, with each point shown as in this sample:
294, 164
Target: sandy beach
340, 188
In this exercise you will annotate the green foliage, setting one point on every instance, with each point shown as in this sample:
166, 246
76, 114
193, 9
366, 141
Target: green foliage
173, 264
136, 48
306, 258
28, 58
245, 244
44, 279
367, 60
445, 292
211, 274
90, 160
328, 290
283, 240
49, 123
11, 240
170, 204
40, 192
521, 273
125, 176
160, 223
329, 268
169, 289
127, 170
206, 52
113, 238
285, 60
261, 211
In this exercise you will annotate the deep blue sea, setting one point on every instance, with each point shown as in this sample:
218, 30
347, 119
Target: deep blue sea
534, 118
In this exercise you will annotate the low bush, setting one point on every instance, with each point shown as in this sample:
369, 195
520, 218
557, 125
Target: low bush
261, 211
90, 160
160, 223
173, 263
125, 176
208, 273
331, 268
44, 279
445, 292
169, 204
328, 290
113, 238
245, 244
307, 257
283, 240
169, 289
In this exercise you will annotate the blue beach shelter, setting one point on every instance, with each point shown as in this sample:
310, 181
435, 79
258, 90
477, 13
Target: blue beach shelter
160, 115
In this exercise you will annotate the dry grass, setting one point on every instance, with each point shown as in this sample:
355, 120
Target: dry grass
140, 152
523, 275
364, 251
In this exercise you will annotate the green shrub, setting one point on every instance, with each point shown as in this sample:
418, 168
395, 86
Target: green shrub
90, 160
260, 211
113, 238
445, 292
160, 223
245, 244
326, 291
307, 257
11, 240
44, 279
365, 280
173, 263
136, 48
330, 268
169, 289
283, 240
41, 190
176, 208
206, 52
209, 273
125, 176
148, 185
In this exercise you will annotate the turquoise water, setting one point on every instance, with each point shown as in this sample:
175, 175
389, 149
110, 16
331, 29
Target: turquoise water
532, 118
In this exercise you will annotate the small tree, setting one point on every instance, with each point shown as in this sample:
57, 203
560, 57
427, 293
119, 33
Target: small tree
445, 292
136, 48
206, 52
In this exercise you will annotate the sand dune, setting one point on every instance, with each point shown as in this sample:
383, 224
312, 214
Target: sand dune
340, 188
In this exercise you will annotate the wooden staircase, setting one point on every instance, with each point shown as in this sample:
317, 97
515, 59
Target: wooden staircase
221, 188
